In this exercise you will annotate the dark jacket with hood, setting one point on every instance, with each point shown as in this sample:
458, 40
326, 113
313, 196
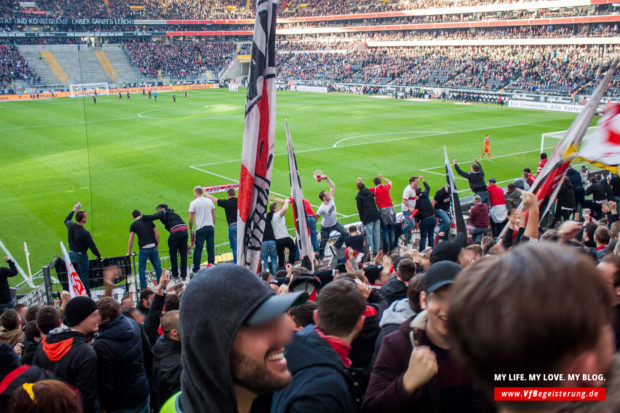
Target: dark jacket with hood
321, 382
13, 374
166, 370
394, 290
168, 217
212, 311
66, 354
153, 318
575, 179
30, 348
122, 378
366, 206
5, 292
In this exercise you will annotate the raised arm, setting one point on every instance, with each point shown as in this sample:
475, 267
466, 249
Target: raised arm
153, 217
332, 186
427, 189
384, 179
211, 197
460, 171
284, 207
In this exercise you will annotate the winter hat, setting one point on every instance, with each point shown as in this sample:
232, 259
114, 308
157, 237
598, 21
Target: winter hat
78, 309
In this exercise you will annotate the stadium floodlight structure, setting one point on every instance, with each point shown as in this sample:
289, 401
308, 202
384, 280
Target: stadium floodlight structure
88, 89
549, 140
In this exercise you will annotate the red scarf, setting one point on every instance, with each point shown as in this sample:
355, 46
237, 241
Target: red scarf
340, 346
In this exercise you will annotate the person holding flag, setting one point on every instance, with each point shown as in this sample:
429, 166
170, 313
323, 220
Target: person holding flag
80, 241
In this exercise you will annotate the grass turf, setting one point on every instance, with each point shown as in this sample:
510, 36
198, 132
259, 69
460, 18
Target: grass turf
119, 155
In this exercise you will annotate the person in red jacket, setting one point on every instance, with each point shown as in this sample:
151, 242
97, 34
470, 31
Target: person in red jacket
478, 221
541, 164
498, 210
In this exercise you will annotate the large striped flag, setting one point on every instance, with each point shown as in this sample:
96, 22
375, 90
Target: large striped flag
455, 205
75, 284
603, 147
304, 243
258, 138
548, 181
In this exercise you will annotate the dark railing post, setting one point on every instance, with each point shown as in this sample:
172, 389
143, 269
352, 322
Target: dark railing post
47, 279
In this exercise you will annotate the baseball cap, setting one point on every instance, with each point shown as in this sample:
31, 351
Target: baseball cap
492, 180
164, 206
275, 305
440, 274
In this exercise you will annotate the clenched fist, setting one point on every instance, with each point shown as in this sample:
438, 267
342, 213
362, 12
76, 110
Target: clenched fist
422, 368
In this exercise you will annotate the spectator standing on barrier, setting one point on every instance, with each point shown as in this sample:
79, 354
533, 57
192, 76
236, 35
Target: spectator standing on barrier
246, 331
476, 180
122, 379
203, 211
441, 204
283, 238
6, 301
269, 251
575, 180
177, 241
498, 210
426, 216
369, 215
65, 352
230, 209
148, 240
80, 241
408, 207
330, 223
381, 191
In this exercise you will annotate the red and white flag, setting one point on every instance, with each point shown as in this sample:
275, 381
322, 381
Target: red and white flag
258, 138
75, 284
304, 242
548, 182
602, 148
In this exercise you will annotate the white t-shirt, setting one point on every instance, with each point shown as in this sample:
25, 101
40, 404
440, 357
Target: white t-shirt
411, 196
278, 222
203, 210
328, 212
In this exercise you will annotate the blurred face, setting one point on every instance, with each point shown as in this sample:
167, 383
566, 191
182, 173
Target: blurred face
257, 357
327, 197
147, 302
83, 221
437, 305
90, 325
138, 316
608, 270
126, 303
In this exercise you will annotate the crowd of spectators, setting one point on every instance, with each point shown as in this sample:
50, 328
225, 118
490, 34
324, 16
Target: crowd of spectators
392, 325
179, 59
13, 66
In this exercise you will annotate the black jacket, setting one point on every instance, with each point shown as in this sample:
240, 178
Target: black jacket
153, 318
600, 191
80, 239
30, 348
566, 196
5, 292
122, 377
66, 354
394, 290
423, 204
321, 382
476, 179
10, 364
166, 370
575, 179
366, 206
168, 217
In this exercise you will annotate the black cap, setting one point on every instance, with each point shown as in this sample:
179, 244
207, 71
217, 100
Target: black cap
276, 305
78, 309
305, 282
440, 274
164, 206
445, 251
492, 180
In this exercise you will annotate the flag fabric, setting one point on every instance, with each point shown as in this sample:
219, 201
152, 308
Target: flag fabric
76, 287
258, 138
455, 205
304, 243
548, 182
603, 147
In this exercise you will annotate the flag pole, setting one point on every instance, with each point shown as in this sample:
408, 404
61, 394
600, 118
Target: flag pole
27, 253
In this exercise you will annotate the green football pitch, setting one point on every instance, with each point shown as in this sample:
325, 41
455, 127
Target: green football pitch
118, 155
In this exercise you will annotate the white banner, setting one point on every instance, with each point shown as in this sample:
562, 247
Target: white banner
219, 188
556, 107
75, 284
303, 88
604, 145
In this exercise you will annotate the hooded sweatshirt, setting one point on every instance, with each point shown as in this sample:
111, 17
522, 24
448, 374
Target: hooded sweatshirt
214, 306
166, 370
393, 316
13, 374
66, 354
12, 337
168, 217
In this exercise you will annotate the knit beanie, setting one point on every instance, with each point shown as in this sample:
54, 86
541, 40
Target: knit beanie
78, 309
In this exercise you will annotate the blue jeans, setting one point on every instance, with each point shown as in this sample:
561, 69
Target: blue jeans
144, 255
143, 407
80, 261
389, 237
269, 250
444, 222
325, 231
409, 224
477, 234
427, 231
205, 233
312, 226
484, 196
6, 306
373, 234
232, 240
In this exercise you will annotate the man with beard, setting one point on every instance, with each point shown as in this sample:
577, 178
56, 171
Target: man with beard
245, 331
